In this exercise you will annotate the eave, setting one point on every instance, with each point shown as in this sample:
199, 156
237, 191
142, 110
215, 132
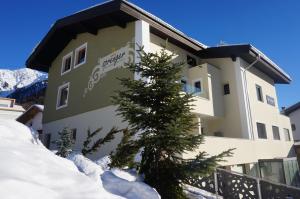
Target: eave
249, 53
108, 14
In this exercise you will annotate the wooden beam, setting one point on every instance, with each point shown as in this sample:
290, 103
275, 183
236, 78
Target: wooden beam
89, 28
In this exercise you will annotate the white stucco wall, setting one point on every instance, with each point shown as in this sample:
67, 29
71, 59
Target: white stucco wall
36, 122
105, 118
247, 151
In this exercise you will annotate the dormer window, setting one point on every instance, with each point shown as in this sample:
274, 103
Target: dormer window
67, 63
80, 55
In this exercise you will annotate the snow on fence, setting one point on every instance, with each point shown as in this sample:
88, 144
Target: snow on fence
234, 185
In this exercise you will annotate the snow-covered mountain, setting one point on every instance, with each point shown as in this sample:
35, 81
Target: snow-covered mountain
11, 80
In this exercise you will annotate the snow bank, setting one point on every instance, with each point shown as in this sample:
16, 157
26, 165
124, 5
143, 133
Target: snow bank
119, 182
87, 167
29, 171
128, 189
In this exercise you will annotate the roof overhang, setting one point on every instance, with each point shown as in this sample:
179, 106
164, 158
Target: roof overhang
104, 15
249, 53
29, 114
291, 109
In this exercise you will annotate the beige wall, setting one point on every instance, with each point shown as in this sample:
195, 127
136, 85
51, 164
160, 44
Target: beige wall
247, 151
230, 124
10, 114
262, 111
107, 41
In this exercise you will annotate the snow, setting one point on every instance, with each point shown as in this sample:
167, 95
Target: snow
28, 170
196, 193
12, 79
126, 184
36, 172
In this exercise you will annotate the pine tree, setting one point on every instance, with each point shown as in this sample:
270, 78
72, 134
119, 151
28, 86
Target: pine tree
89, 149
65, 142
161, 122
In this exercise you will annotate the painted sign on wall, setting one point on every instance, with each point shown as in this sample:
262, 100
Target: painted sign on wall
270, 100
117, 59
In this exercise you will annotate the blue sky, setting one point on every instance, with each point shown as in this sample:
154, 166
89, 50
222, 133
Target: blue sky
273, 26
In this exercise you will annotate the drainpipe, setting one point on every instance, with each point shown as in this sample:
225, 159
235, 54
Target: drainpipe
247, 94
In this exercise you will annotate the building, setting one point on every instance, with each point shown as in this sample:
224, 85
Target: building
32, 117
234, 85
9, 110
293, 112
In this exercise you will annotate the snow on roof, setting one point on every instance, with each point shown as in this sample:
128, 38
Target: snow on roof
150, 15
39, 106
164, 23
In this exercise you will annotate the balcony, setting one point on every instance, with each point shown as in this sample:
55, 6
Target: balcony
260, 149
203, 81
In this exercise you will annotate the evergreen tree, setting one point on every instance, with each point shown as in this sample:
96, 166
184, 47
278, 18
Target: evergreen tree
65, 142
89, 149
161, 123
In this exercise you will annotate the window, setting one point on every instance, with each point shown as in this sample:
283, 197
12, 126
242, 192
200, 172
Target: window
191, 61
261, 130
287, 135
293, 127
74, 133
80, 55
67, 63
226, 89
276, 135
259, 93
62, 96
184, 85
197, 87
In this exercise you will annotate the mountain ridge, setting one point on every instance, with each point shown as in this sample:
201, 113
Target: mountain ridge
11, 80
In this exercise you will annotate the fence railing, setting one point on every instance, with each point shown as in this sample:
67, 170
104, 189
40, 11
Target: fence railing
232, 185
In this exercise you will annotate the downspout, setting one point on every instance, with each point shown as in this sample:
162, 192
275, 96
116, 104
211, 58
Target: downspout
247, 94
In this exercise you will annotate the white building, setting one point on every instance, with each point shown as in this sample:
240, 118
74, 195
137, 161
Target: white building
293, 112
9, 110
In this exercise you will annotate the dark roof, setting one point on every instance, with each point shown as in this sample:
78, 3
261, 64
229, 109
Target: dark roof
30, 113
249, 53
291, 109
110, 13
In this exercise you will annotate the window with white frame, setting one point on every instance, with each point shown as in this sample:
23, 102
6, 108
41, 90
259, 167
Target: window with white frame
62, 96
67, 63
80, 55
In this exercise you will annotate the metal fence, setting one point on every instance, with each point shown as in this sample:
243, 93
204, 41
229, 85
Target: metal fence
232, 185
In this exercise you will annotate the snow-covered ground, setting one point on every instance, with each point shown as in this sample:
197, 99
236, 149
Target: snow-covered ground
30, 171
